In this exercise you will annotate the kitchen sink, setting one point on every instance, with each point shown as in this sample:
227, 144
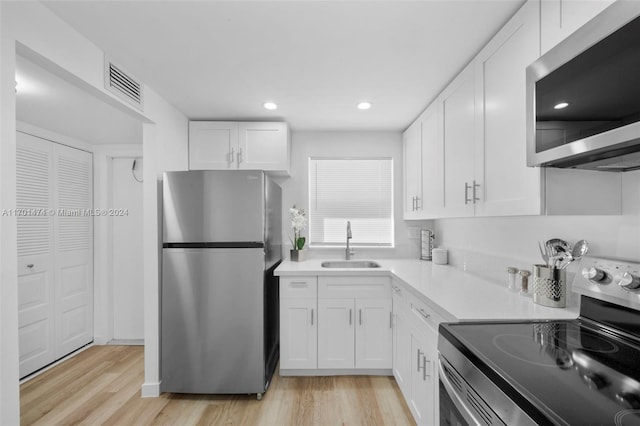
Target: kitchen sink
350, 264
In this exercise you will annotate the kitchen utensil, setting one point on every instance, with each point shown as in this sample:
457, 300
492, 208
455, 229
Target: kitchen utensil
543, 253
580, 249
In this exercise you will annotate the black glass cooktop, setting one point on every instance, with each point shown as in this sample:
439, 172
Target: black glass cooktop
574, 372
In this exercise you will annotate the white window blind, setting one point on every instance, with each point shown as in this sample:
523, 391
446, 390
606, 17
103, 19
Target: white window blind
359, 190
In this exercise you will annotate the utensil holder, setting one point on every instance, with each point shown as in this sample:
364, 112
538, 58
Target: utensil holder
549, 286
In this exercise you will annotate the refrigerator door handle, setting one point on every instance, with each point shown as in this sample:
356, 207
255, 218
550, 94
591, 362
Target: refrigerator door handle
312, 316
350, 312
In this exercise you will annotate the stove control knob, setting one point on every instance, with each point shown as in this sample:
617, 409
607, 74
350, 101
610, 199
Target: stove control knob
594, 275
628, 281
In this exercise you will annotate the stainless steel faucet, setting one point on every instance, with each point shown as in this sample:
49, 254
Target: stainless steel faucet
348, 251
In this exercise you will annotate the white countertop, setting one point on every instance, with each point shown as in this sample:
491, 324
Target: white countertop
457, 295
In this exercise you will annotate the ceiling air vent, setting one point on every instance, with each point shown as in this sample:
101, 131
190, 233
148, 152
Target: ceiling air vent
123, 85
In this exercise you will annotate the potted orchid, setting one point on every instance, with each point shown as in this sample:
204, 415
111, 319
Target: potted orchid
298, 223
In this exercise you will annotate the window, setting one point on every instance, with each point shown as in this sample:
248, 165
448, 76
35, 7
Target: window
359, 190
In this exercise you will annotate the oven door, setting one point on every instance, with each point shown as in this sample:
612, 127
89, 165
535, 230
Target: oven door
450, 415
454, 410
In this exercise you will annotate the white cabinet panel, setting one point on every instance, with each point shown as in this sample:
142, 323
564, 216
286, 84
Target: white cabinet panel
411, 140
222, 145
336, 333
373, 333
263, 146
212, 145
432, 164
298, 333
458, 107
560, 18
509, 186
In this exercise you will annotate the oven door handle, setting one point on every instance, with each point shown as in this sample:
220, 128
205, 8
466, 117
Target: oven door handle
457, 400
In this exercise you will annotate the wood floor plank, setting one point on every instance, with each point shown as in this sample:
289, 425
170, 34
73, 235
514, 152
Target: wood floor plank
101, 386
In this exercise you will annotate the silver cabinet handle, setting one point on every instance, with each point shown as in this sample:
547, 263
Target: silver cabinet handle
396, 289
418, 203
239, 155
311, 316
299, 284
475, 187
424, 368
419, 355
360, 316
350, 312
423, 313
231, 156
413, 204
30, 265
467, 187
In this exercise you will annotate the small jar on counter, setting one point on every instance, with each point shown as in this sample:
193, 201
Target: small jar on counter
511, 278
525, 287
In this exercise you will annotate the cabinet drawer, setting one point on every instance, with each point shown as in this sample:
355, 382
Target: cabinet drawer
298, 287
354, 287
421, 313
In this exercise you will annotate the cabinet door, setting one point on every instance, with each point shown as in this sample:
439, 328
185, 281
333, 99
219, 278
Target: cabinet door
213, 145
457, 105
432, 203
510, 187
401, 347
336, 338
263, 146
423, 380
560, 18
373, 333
412, 170
298, 334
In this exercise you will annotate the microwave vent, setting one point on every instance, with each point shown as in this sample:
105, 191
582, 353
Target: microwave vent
123, 85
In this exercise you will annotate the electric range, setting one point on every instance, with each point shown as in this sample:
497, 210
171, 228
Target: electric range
569, 372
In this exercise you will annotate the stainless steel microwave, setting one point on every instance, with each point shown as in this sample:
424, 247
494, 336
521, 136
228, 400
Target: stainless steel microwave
583, 96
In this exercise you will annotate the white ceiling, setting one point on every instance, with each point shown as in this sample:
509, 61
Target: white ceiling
315, 59
45, 100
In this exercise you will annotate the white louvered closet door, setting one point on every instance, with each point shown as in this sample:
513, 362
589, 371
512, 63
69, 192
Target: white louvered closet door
73, 237
55, 250
36, 305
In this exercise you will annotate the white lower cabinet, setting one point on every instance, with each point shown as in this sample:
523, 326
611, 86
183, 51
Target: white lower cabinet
298, 333
335, 325
415, 351
298, 323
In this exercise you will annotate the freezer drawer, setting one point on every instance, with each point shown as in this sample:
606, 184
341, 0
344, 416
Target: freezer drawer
212, 316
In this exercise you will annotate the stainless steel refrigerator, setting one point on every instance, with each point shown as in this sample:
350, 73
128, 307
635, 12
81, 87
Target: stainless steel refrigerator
222, 240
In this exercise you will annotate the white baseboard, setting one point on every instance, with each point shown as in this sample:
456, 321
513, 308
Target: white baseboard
337, 372
150, 390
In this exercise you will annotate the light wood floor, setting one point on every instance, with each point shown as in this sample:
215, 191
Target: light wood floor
102, 386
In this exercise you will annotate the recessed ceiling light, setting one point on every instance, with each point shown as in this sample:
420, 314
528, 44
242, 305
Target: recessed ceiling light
364, 105
270, 105
561, 105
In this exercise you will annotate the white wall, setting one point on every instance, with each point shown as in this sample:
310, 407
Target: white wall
346, 144
514, 240
31, 26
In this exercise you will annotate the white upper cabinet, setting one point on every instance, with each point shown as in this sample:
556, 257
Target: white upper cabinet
458, 111
412, 170
506, 185
224, 145
432, 164
559, 18
212, 145
263, 146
